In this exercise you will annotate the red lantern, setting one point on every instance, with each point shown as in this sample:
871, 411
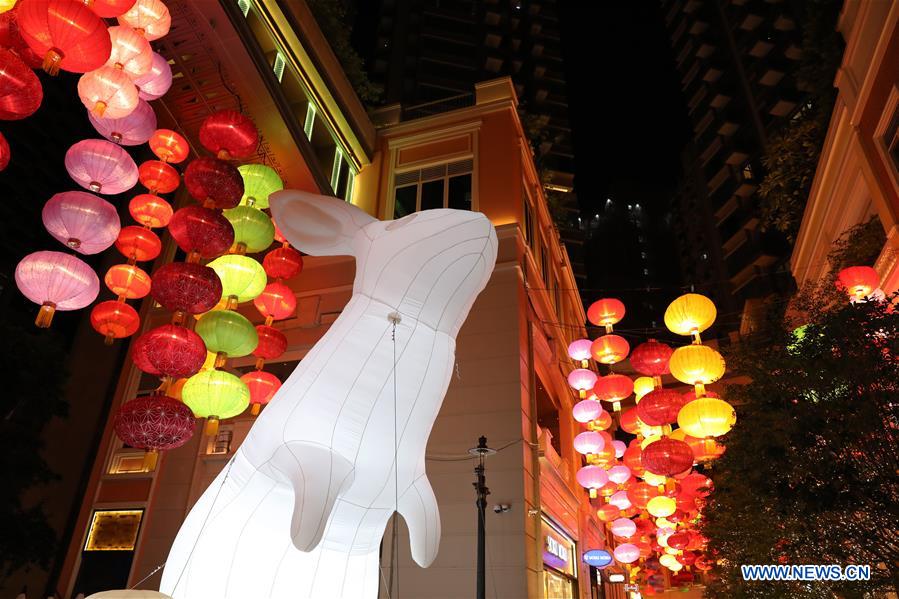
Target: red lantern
169, 350
150, 210
283, 263
11, 39
229, 134
608, 512
127, 281
704, 450
263, 386
114, 320
609, 349
158, 177
633, 459
276, 302
214, 182
666, 457
858, 281
66, 33
20, 90
201, 230
679, 540
272, 343
187, 287
640, 494
155, 422
605, 312
169, 146
109, 9
613, 387
5, 154
696, 485
660, 407
279, 236
629, 422
138, 244
651, 358
703, 564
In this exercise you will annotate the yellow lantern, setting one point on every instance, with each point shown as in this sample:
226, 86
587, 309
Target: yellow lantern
678, 434
665, 523
647, 430
707, 417
642, 386
650, 439
655, 480
661, 506
670, 562
6, 5
690, 314
696, 365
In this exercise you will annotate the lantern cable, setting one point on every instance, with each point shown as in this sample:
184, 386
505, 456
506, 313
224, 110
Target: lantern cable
395, 318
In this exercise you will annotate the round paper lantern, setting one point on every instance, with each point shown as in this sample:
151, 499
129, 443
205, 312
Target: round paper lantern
641, 493
56, 281
150, 18
707, 417
605, 312
703, 564
155, 423
150, 210
272, 343
101, 166
202, 231
158, 177
230, 335
666, 457
114, 320
215, 394
613, 387
259, 181
705, 449
186, 287
670, 562
11, 39
213, 181
629, 421
262, 386
620, 448
660, 407
619, 474
66, 33
169, 146
679, 540
603, 421
276, 302
108, 92
6, 5
627, 553
156, 82
624, 528
131, 130
588, 442
858, 281
592, 478
229, 134
690, 314
581, 380
608, 512
283, 263
579, 349
81, 221
586, 410
651, 358
661, 506
20, 90
127, 281
138, 244
169, 350
131, 51
242, 277
253, 228
4, 153
609, 349
642, 386
619, 499
696, 365
109, 9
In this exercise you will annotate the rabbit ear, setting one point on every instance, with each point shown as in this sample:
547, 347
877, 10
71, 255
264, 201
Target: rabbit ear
317, 225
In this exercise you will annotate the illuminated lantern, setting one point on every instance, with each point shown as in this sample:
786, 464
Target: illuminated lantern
259, 181
150, 18
66, 33
627, 553
707, 417
679, 540
131, 52
81, 221
201, 231
253, 229
11, 39
127, 281
670, 562
6, 5
690, 314
608, 512
272, 344
705, 449
158, 177
602, 422
579, 350
666, 457
660, 407
581, 380
586, 410
214, 395
4, 153
276, 302
283, 263
620, 448
703, 564
650, 439
101, 166
154, 423
697, 365
169, 146
592, 478
619, 474
619, 499
20, 89
131, 130
605, 312
609, 349
651, 358
640, 494
229, 134
114, 320
169, 350
661, 506
654, 479
624, 528
242, 277
279, 237
629, 422
613, 388
109, 9
631, 459
213, 183
150, 210
262, 386
642, 386
588, 442
858, 281
230, 335
108, 92
138, 244
155, 82
56, 281
186, 287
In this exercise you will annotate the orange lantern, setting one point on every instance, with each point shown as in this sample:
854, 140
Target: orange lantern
605, 312
603, 422
138, 244
608, 512
158, 177
613, 388
610, 349
169, 146
114, 320
705, 449
630, 422
150, 210
127, 281
109, 9
858, 281
276, 302
263, 386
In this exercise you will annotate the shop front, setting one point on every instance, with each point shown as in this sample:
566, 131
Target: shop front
559, 562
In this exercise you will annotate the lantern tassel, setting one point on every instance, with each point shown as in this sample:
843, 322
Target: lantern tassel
51, 61
255, 409
109, 338
45, 315
151, 457
212, 426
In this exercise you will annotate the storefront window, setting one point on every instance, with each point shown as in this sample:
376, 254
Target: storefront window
559, 563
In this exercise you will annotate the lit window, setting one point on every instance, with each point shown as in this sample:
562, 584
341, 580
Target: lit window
310, 120
113, 530
244, 6
278, 66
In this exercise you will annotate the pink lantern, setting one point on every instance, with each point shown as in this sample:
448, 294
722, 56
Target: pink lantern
108, 92
582, 380
624, 528
619, 474
586, 410
592, 478
131, 51
620, 500
131, 130
56, 281
579, 349
101, 166
627, 553
82, 221
589, 442
620, 448
157, 81
150, 18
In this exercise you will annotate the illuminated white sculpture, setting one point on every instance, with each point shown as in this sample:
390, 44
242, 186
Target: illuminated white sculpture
300, 509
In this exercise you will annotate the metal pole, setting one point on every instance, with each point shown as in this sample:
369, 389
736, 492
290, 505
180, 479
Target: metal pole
482, 491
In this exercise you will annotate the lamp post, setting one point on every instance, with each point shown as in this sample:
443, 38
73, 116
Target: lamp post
482, 491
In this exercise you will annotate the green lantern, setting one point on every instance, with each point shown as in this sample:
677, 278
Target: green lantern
258, 182
215, 394
228, 334
243, 278
254, 230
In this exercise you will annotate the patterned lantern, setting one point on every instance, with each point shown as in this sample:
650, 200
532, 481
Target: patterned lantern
214, 183
131, 130
283, 263
154, 423
109, 9
56, 281
127, 281
229, 334
158, 177
66, 33
651, 358
150, 210
660, 407
242, 277
623, 528
215, 394
610, 349
690, 314
588, 442
858, 281
131, 52
169, 146
259, 182
707, 417
81, 221
667, 456
20, 89
101, 166
169, 350
138, 244
114, 320
229, 134
157, 81
263, 386
253, 229
201, 231
605, 312
186, 287
11, 39
586, 410
592, 478
108, 92
150, 18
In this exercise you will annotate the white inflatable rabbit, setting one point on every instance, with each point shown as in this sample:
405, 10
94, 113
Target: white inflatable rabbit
300, 509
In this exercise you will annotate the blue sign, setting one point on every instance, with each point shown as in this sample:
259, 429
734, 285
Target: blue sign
597, 558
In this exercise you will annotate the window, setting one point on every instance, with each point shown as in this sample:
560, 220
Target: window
278, 66
891, 139
310, 120
442, 186
244, 6
113, 530
221, 443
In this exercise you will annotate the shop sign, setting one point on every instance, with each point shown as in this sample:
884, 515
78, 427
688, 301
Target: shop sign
598, 558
